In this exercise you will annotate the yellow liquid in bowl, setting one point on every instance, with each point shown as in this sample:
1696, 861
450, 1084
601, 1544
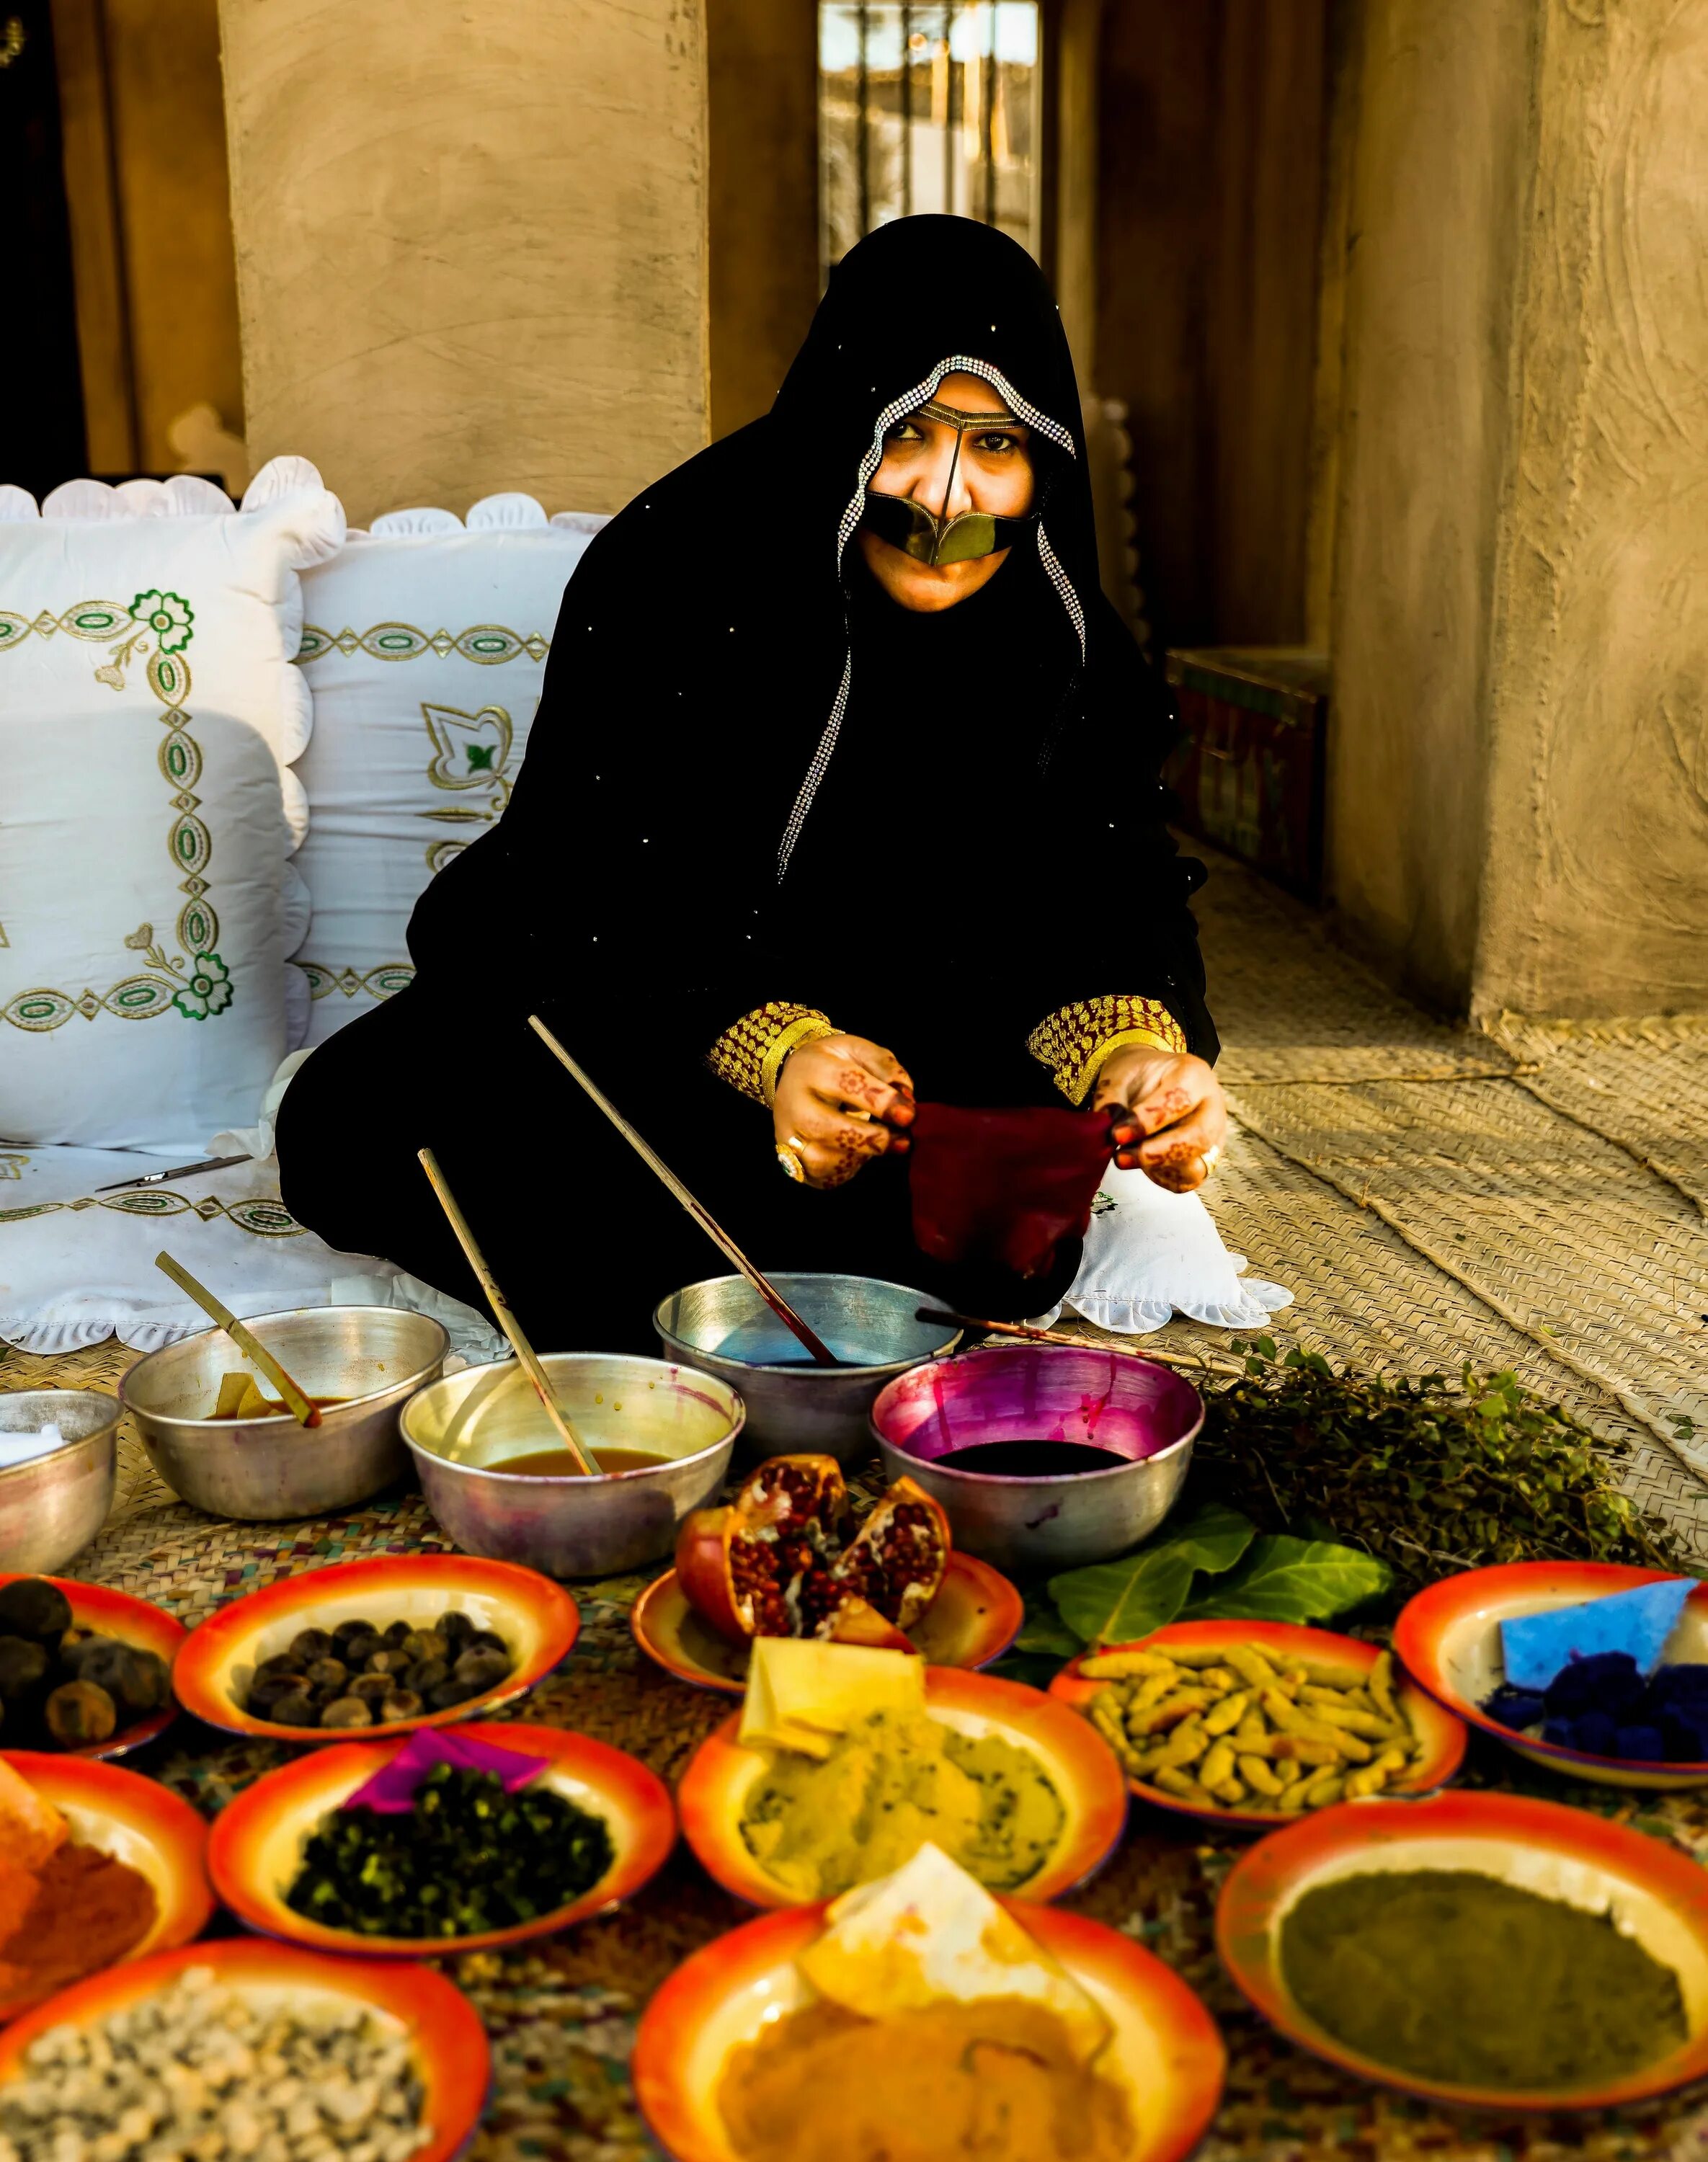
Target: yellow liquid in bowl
558, 1463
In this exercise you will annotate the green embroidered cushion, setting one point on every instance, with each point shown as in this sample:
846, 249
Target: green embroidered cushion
150, 716
425, 645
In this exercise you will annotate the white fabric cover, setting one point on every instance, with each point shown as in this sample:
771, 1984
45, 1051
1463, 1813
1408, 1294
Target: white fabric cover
149, 714
77, 1266
1150, 1254
425, 645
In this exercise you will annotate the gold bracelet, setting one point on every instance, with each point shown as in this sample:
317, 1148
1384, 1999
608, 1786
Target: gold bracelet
810, 1028
1074, 1040
740, 1055
1106, 1050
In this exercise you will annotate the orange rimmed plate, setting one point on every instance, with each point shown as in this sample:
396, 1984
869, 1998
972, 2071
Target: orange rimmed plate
1655, 1892
452, 2060
1442, 1735
1165, 2051
138, 1823
536, 1618
1449, 1637
1079, 1764
132, 1621
975, 1618
257, 1839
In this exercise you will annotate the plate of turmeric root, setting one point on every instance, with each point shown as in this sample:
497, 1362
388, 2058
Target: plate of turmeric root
1252, 1723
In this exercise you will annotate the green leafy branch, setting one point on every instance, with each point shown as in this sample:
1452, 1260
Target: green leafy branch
1324, 1492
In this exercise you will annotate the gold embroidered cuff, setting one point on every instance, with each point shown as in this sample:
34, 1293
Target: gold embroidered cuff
750, 1054
1074, 1040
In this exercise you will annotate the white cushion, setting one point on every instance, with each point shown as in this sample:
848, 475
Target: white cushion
77, 1266
425, 644
149, 714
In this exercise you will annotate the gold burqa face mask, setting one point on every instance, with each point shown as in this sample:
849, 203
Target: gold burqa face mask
929, 536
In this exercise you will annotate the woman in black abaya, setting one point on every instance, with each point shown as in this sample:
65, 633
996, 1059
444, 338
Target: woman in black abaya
843, 791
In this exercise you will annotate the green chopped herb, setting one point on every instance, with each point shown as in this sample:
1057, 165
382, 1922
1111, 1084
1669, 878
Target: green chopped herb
469, 1858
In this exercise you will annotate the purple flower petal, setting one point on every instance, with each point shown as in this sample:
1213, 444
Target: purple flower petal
391, 1791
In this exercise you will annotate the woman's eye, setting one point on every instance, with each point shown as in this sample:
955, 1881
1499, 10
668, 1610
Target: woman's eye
904, 431
993, 446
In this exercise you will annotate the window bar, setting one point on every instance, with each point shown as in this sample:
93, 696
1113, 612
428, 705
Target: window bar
863, 124
906, 109
987, 120
948, 116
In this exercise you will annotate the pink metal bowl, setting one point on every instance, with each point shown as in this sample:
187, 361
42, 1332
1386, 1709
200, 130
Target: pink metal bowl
1144, 1413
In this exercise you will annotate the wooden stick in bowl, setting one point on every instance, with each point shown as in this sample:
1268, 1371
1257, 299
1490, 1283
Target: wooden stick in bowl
822, 1354
527, 1358
252, 1349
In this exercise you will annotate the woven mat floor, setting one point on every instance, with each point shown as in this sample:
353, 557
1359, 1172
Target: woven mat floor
1533, 1199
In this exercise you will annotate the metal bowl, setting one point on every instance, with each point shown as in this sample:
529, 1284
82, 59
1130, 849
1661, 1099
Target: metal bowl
52, 1506
461, 1429
723, 1327
264, 1471
1115, 1400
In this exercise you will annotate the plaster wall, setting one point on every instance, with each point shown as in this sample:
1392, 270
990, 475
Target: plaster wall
1445, 148
471, 243
1595, 898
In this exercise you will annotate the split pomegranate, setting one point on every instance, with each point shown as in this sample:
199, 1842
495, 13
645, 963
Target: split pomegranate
779, 1561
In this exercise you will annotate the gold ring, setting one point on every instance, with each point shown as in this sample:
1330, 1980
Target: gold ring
790, 1160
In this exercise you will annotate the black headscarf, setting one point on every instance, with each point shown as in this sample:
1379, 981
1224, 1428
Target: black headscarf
726, 686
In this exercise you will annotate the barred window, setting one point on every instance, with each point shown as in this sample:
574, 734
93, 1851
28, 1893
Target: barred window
926, 108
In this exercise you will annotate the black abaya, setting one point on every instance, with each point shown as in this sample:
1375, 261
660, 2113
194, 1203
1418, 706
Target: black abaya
754, 777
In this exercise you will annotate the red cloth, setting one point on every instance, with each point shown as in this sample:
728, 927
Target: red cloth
1004, 1186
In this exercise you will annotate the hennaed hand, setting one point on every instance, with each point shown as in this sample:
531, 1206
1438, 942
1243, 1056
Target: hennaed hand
841, 1100
1178, 1116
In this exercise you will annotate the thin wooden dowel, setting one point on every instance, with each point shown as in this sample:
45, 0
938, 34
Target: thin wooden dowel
526, 1357
953, 1320
1205, 1362
701, 1215
295, 1400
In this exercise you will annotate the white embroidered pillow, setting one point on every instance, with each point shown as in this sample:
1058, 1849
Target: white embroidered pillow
424, 646
149, 717
77, 1263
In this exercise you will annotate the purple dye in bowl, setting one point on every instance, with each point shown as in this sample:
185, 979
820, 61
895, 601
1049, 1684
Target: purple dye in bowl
1025, 1393
1032, 1459
976, 1432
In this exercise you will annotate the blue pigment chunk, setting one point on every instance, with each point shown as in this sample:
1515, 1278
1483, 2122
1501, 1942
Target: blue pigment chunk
1517, 1709
1683, 1740
1535, 1646
1596, 1733
1680, 1685
1639, 1745
1607, 1681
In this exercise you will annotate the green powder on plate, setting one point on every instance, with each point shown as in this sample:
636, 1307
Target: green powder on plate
1466, 1981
